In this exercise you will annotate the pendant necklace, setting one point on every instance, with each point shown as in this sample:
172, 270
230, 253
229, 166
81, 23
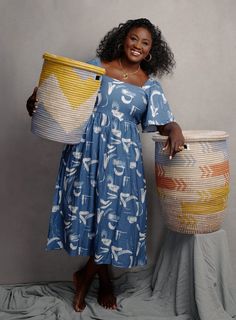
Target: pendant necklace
125, 73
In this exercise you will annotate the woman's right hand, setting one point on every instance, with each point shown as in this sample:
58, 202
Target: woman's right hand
31, 102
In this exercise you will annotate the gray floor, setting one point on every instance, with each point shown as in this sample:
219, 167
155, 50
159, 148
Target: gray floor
192, 280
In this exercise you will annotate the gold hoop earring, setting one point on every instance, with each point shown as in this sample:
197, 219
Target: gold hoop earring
119, 46
149, 58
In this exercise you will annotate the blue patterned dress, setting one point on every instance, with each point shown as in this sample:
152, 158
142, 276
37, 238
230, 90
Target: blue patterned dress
99, 206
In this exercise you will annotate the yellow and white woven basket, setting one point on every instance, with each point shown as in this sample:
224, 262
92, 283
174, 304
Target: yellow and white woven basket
194, 185
67, 93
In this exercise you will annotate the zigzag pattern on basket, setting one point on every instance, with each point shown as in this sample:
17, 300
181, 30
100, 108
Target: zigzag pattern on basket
67, 93
214, 170
76, 86
54, 101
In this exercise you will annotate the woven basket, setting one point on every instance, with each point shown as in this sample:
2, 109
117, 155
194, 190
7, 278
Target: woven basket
193, 187
67, 93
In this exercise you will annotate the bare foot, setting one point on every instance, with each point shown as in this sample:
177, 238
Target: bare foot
82, 284
82, 280
106, 296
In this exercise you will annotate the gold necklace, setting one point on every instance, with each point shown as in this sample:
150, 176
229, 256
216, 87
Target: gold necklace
125, 73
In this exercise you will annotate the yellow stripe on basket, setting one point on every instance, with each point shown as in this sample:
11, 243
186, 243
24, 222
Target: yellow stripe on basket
73, 63
203, 208
187, 219
72, 92
213, 200
213, 193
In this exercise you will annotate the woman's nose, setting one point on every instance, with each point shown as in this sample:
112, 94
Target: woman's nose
138, 45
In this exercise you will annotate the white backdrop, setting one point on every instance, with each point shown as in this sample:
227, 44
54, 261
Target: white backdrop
201, 92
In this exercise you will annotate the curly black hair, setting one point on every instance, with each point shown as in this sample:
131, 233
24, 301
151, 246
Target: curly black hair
111, 47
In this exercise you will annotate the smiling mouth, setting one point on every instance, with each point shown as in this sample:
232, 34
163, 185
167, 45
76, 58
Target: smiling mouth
135, 53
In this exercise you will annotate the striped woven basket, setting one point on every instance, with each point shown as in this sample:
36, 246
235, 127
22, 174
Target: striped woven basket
67, 93
193, 187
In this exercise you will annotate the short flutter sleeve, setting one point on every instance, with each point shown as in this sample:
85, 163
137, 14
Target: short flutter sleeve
95, 61
158, 110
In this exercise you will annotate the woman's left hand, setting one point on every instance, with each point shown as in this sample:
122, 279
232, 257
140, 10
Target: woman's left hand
175, 140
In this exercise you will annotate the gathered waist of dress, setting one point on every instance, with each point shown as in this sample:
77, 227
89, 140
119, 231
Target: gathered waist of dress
115, 116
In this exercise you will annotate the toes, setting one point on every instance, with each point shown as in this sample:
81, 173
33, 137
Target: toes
113, 305
108, 305
107, 300
79, 307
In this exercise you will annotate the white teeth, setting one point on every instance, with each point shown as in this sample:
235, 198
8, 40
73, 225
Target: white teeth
135, 53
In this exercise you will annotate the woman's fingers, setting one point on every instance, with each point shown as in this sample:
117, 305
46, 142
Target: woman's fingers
35, 92
31, 102
179, 146
166, 145
173, 148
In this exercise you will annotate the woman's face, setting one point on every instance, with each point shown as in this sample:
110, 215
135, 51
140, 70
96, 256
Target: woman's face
137, 44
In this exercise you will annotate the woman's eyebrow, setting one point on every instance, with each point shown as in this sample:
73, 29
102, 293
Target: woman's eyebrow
134, 34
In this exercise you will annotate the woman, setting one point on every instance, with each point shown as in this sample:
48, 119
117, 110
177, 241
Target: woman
99, 205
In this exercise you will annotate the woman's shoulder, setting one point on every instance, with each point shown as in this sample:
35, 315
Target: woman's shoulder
152, 83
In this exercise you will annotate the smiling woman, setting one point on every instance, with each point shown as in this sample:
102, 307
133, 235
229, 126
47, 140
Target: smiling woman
136, 47
99, 208
160, 59
137, 44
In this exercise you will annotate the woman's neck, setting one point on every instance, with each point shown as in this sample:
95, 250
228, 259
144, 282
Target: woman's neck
127, 64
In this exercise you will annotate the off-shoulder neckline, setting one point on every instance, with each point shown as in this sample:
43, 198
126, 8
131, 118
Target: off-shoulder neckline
114, 79
128, 83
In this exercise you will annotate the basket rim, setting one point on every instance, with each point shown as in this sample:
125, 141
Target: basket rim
73, 63
197, 135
